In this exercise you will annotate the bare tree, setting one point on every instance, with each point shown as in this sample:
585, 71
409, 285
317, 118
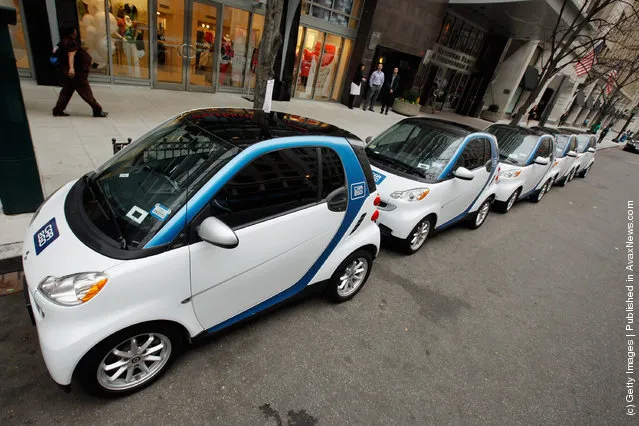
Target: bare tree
570, 39
269, 46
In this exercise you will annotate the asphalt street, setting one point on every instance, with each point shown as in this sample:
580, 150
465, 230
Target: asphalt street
519, 322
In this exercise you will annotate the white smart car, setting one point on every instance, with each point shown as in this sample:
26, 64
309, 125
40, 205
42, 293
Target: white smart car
526, 157
431, 174
206, 220
586, 149
565, 166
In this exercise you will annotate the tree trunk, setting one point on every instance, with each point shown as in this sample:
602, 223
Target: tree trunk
625, 126
271, 42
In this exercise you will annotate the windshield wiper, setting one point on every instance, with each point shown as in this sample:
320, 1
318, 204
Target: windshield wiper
508, 159
111, 215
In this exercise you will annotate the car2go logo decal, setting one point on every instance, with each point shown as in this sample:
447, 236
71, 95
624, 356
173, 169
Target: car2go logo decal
45, 236
378, 177
358, 190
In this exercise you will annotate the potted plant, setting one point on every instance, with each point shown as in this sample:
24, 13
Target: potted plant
407, 105
491, 113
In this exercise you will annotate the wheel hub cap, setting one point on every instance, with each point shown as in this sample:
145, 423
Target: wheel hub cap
420, 235
353, 277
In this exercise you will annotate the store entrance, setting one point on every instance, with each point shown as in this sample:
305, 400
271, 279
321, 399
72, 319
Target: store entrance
205, 46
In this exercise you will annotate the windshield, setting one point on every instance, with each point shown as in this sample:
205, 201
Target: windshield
515, 147
415, 148
560, 144
582, 142
137, 191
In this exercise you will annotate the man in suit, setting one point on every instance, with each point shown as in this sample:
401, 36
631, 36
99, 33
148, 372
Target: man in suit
375, 83
392, 87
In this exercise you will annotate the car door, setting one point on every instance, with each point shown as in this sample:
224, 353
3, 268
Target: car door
536, 172
461, 194
277, 206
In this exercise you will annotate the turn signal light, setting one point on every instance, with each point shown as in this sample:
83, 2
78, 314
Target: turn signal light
94, 290
375, 216
377, 200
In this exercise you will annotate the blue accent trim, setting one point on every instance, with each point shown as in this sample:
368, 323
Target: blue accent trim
354, 175
449, 167
193, 206
379, 178
495, 165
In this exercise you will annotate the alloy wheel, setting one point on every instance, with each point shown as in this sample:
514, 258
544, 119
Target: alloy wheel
353, 277
482, 214
420, 235
134, 361
511, 200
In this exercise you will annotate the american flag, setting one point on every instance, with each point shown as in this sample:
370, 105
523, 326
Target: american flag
612, 77
584, 65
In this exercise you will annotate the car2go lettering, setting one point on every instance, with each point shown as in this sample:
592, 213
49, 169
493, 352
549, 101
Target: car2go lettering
229, 224
430, 175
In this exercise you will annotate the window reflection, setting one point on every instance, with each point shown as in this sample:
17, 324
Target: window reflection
18, 40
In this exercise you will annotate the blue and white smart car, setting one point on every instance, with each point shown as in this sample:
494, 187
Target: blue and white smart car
586, 149
526, 157
206, 220
564, 168
431, 174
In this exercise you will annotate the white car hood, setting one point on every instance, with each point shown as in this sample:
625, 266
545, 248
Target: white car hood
66, 254
387, 182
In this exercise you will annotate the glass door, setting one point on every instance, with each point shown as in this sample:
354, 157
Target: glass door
234, 49
186, 36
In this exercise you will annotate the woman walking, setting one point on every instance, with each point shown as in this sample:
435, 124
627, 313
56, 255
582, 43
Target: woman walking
532, 115
356, 85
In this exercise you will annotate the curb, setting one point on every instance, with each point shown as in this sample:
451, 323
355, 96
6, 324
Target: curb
609, 147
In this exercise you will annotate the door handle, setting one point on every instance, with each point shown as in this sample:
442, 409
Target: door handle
194, 50
337, 201
180, 50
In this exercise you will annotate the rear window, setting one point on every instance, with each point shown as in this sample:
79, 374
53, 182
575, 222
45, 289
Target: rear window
360, 153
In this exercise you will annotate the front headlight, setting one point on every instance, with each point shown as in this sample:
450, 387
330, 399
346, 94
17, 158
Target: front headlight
73, 289
411, 195
507, 174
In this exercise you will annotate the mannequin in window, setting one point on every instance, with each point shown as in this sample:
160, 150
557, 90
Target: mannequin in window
239, 58
130, 37
227, 56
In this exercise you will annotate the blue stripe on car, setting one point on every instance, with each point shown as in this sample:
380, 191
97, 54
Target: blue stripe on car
354, 176
495, 165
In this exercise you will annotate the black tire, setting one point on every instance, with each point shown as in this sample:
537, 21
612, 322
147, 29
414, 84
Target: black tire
88, 369
585, 172
475, 217
406, 244
504, 207
536, 196
333, 291
562, 182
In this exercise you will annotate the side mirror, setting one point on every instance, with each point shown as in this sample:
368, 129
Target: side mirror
541, 161
463, 173
572, 153
592, 150
214, 231
369, 139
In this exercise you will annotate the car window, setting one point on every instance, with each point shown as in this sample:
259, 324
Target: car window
472, 157
573, 144
270, 185
333, 176
560, 143
544, 149
583, 141
415, 148
515, 146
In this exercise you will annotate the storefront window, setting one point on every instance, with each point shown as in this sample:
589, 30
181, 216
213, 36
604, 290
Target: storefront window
234, 46
18, 40
201, 52
170, 22
257, 29
341, 71
444, 36
328, 67
463, 38
93, 33
479, 42
471, 41
131, 39
454, 33
309, 60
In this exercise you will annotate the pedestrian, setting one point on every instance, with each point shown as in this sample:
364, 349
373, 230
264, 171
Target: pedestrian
532, 115
375, 83
595, 128
563, 118
624, 136
604, 132
75, 64
391, 92
356, 85
586, 121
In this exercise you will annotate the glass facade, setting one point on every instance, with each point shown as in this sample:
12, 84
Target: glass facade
19, 41
321, 61
460, 35
344, 13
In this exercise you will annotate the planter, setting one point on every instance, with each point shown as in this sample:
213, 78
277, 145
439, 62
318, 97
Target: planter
491, 116
404, 108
